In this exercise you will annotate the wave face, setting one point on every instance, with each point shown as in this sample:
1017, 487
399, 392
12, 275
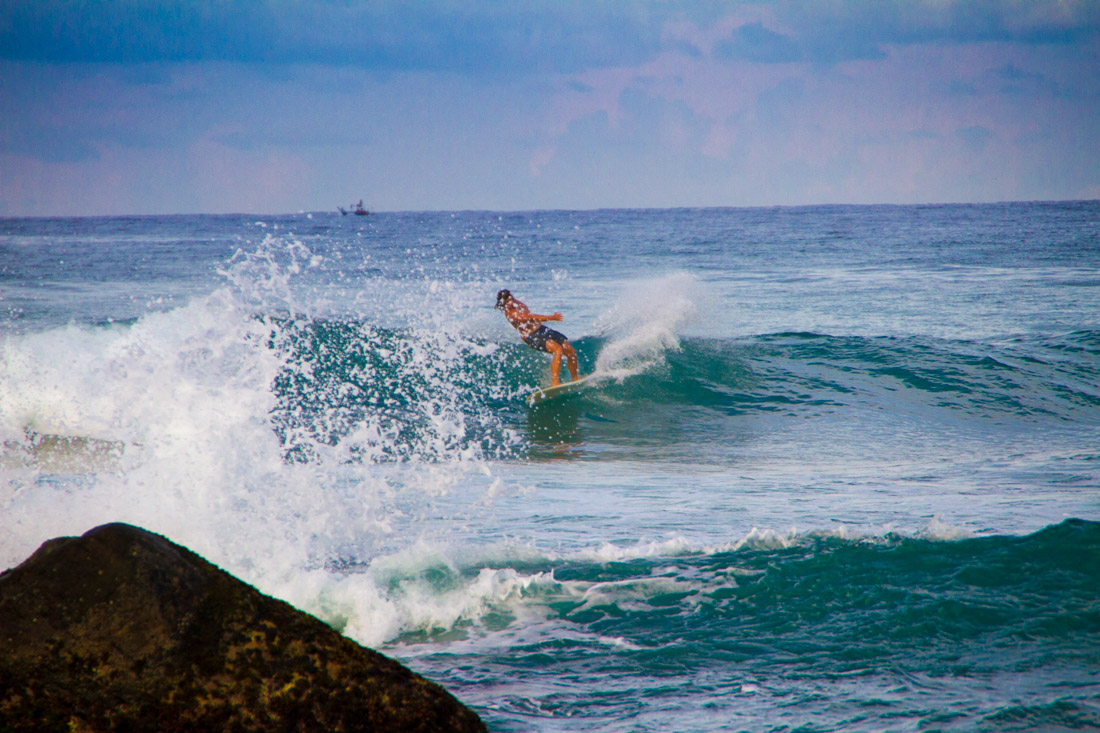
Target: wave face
837, 467
361, 392
375, 394
689, 639
701, 388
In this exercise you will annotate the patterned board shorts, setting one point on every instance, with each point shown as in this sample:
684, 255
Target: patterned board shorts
537, 339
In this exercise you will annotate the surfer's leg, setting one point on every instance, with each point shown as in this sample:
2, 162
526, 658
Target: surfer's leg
570, 358
555, 363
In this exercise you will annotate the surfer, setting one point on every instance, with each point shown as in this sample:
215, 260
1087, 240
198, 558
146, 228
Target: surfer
538, 336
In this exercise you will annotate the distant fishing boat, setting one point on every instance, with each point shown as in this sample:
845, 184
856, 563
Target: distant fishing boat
358, 209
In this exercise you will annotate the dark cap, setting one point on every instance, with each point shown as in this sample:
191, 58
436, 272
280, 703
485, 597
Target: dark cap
502, 297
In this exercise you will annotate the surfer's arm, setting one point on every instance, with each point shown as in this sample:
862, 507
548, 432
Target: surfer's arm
517, 312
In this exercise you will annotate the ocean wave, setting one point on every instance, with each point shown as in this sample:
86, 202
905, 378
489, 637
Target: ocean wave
238, 417
350, 390
1027, 377
877, 590
355, 391
340, 376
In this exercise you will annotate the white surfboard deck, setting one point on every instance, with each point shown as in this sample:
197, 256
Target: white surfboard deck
542, 394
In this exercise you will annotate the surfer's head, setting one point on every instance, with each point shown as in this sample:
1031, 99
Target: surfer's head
503, 297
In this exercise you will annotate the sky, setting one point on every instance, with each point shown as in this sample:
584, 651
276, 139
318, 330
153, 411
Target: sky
226, 106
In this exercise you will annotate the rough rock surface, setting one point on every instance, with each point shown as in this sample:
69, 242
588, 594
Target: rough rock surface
123, 630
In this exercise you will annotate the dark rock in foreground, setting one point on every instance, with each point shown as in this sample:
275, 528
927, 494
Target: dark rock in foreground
123, 630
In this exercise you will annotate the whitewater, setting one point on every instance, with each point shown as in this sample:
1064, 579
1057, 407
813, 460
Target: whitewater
840, 469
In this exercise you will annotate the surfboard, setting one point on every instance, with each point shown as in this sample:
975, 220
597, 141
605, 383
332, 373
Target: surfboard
542, 394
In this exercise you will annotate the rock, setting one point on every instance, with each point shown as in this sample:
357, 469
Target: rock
123, 630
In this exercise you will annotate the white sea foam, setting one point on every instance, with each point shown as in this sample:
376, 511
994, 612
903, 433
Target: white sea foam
176, 390
414, 590
428, 588
608, 552
182, 402
940, 530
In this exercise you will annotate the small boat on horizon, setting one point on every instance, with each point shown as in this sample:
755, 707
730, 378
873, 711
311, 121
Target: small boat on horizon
358, 209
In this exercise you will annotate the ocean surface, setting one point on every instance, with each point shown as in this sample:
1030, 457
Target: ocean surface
839, 469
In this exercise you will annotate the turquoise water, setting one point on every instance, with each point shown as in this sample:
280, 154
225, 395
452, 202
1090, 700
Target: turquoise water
838, 469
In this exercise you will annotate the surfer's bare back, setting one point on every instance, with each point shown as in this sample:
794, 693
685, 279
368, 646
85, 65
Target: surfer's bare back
538, 336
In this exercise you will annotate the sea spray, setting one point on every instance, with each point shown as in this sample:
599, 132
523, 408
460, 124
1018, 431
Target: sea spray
645, 323
247, 430
175, 390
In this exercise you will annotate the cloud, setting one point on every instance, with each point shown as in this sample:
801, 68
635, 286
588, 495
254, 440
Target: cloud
829, 32
527, 35
866, 23
71, 113
542, 103
524, 36
754, 42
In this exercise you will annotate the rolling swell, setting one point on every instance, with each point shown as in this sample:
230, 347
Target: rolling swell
363, 392
721, 392
834, 605
784, 372
1022, 377
872, 619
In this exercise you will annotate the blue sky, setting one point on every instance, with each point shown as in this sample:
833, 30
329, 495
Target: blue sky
148, 107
